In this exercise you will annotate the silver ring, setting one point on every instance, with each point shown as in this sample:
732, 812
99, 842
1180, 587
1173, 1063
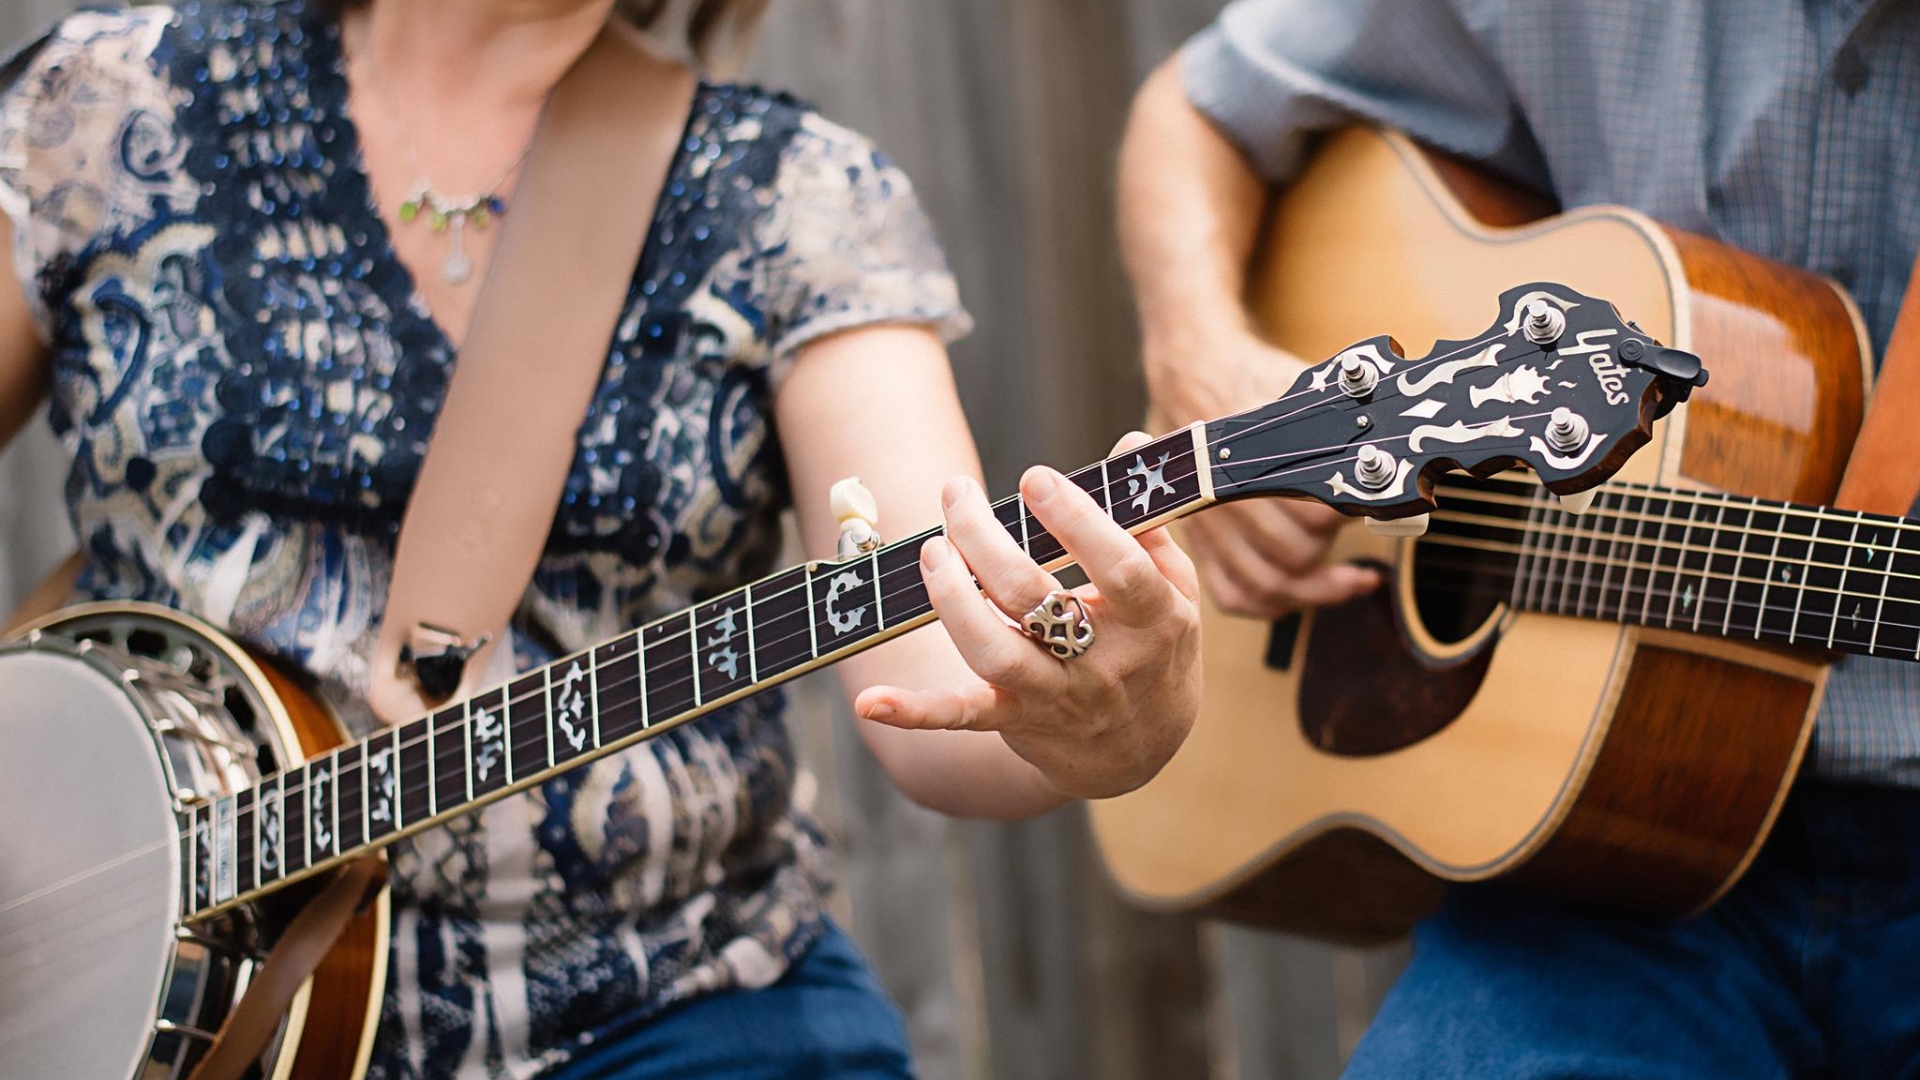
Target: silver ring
1060, 622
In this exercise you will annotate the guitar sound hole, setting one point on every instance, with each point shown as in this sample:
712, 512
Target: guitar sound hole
1457, 588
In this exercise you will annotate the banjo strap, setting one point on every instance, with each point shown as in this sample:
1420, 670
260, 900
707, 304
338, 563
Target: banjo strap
495, 467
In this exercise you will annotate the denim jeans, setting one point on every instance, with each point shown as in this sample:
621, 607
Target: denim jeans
1810, 967
827, 1019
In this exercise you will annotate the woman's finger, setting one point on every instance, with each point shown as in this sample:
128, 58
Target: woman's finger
1129, 581
974, 708
998, 653
1011, 579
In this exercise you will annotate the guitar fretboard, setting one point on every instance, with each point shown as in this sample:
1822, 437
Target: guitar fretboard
400, 780
1703, 562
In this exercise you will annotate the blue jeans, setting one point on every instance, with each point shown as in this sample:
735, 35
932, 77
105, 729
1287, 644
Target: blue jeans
1810, 967
826, 1019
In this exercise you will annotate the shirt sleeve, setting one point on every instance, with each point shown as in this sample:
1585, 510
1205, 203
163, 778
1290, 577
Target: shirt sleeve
854, 247
71, 101
1274, 73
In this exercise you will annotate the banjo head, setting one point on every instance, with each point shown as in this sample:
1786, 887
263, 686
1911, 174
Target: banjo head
90, 888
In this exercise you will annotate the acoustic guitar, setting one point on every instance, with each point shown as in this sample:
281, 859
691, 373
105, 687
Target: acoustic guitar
1590, 705
173, 797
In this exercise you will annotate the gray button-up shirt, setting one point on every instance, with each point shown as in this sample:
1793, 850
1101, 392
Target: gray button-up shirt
1789, 128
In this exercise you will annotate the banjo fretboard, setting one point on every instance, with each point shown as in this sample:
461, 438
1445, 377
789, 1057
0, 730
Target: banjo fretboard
409, 777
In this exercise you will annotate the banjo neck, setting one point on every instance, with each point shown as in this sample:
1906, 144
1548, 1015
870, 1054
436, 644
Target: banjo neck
413, 776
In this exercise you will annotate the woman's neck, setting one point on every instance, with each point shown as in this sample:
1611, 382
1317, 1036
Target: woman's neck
455, 58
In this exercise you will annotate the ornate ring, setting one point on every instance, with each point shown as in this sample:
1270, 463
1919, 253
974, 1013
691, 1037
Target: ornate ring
1060, 622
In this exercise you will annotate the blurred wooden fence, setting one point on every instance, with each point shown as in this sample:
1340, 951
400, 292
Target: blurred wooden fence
1006, 948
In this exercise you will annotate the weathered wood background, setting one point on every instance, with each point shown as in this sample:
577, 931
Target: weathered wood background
1004, 945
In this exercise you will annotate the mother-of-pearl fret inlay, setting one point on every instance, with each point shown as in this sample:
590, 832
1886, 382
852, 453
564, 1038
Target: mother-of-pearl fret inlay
380, 786
203, 858
570, 707
320, 810
225, 844
405, 777
844, 616
721, 655
268, 817
489, 742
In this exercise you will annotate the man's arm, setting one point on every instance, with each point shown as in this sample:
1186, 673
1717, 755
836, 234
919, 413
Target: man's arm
1190, 210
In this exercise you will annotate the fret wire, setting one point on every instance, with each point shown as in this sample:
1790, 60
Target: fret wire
1586, 572
334, 799
1106, 488
640, 661
1026, 533
1536, 516
506, 728
693, 652
1833, 621
1566, 567
433, 779
1633, 556
753, 654
879, 602
256, 836
1733, 587
1680, 565
1613, 547
1653, 567
813, 618
193, 863
466, 725
1713, 544
1880, 605
1799, 598
593, 688
546, 678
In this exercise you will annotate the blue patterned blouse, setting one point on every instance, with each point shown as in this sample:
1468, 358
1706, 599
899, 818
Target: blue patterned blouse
246, 379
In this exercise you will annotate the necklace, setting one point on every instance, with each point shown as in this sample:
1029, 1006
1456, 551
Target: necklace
449, 214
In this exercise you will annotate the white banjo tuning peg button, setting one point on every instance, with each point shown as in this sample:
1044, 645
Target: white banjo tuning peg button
1578, 502
857, 511
1400, 527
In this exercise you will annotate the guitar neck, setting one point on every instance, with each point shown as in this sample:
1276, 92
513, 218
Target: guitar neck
1698, 561
364, 795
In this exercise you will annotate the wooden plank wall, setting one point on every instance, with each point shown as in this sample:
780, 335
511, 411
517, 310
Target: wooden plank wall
1007, 114
1003, 944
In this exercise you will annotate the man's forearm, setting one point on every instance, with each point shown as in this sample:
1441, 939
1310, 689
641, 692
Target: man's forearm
1190, 209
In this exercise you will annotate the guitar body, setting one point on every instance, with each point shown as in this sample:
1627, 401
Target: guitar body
114, 717
1351, 761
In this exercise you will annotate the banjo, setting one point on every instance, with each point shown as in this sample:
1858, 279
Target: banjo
176, 799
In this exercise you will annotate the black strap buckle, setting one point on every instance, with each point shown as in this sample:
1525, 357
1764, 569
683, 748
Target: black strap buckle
437, 658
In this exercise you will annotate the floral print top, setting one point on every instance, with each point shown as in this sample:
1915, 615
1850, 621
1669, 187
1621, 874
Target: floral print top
246, 380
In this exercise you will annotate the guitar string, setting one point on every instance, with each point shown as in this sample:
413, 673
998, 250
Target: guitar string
1599, 514
1677, 569
1491, 588
1449, 491
1681, 545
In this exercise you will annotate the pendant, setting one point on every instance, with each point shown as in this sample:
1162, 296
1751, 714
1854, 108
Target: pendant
458, 268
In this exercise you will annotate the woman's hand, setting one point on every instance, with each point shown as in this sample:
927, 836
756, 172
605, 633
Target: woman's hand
1098, 725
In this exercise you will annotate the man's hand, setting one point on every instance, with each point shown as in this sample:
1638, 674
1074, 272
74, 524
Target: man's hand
1190, 209
1261, 558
